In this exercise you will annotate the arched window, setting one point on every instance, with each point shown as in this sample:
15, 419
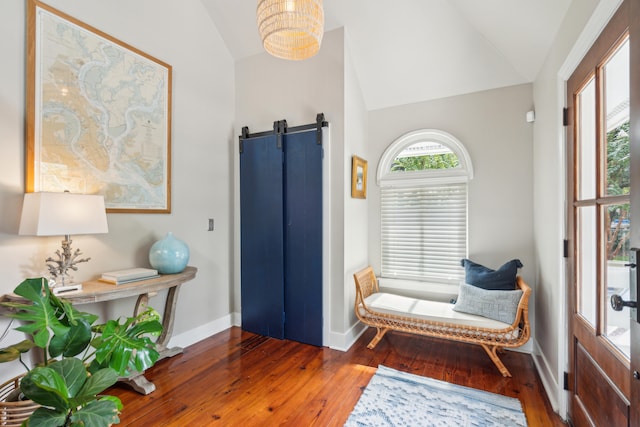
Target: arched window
423, 178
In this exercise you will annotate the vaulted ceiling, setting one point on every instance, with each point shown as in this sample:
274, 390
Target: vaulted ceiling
407, 51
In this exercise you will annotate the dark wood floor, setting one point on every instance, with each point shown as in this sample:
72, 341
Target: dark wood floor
238, 378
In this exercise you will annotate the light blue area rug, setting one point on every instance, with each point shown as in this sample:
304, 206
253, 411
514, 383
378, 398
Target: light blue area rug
395, 398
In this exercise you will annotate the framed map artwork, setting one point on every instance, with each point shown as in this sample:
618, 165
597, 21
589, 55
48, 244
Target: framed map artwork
98, 115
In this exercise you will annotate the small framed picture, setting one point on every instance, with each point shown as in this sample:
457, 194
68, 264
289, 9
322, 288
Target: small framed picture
358, 178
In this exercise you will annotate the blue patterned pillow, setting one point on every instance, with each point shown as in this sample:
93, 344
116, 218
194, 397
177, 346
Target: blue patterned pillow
497, 305
503, 278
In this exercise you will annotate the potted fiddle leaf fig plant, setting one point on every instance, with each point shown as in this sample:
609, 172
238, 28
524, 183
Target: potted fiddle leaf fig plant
80, 359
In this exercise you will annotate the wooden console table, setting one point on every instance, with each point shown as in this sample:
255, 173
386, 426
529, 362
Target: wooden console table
96, 291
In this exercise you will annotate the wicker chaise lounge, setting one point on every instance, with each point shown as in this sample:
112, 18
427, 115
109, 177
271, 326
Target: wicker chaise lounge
438, 319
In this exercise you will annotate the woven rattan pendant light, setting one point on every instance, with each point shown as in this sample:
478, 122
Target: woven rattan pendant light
291, 29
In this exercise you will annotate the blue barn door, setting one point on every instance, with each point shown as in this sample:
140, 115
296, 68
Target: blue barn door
303, 238
281, 235
262, 236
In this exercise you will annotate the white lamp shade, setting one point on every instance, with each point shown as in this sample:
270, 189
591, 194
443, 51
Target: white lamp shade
60, 214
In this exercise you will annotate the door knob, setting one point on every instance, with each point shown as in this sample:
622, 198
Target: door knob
617, 303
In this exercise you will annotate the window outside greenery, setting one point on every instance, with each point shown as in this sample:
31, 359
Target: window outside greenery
425, 156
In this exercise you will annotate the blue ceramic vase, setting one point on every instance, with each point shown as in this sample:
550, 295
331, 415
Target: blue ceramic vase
169, 255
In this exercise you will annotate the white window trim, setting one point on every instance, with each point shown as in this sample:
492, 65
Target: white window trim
462, 173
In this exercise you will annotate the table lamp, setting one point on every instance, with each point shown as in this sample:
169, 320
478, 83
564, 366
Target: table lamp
63, 214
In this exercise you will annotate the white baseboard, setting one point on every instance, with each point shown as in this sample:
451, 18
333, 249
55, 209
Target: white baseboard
236, 319
526, 348
343, 342
195, 335
551, 386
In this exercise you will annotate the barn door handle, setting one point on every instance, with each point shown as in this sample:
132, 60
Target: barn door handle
617, 303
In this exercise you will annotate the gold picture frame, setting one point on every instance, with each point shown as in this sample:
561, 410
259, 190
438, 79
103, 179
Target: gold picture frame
98, 115
358, 178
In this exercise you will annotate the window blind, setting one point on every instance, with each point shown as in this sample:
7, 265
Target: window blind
424, 232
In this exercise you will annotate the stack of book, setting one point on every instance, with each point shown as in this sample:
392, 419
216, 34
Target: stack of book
128, 275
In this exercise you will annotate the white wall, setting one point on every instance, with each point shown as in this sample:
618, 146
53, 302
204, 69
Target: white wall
182, 35
356, 215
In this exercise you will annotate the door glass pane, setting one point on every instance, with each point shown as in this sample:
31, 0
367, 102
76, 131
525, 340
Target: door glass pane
617, 227
617, 176
586, 280
616, 97
586, 144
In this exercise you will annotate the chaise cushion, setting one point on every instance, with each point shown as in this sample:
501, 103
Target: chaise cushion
503, 278
494, 304
433, 311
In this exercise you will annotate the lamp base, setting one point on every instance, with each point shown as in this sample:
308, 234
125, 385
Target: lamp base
57, 290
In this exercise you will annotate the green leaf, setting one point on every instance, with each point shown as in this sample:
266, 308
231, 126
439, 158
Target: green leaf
74, 373
70, 313
33, 289
152, 327
72, 343
39, 317
115, 400
24, 346
57, 384
145, 357
99, 413
46, 417
9, 354
98, 382
47, 387
52, 321
13, 352
66, 389
126, 346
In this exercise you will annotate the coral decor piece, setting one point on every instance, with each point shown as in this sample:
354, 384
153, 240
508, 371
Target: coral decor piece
59, 268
